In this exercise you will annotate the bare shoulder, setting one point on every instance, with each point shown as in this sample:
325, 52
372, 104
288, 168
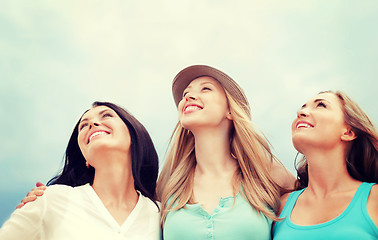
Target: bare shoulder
283, 201
282, 176
372, 204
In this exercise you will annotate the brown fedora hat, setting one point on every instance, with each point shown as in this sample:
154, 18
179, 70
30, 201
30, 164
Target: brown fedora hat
185, 76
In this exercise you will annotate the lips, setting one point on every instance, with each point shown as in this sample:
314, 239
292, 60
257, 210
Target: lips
95, 134
304, 124
191, 108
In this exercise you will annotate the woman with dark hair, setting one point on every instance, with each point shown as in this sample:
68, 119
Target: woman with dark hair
106, 189
337, 194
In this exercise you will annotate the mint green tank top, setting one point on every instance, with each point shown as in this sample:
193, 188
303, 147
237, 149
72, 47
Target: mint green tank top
228, 221
353, 223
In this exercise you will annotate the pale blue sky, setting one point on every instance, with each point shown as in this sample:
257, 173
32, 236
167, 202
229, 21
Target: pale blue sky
56, 58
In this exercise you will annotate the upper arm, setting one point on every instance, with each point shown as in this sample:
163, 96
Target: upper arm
25, 223
372, 204
282, 176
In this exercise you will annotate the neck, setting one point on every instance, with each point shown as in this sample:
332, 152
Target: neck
213, 153
113, 181
327, 171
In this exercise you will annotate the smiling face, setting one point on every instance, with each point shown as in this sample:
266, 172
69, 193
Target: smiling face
204, 103
101, 129
319, 123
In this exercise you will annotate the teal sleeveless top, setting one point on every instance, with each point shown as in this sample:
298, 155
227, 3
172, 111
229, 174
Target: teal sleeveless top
353, 223
228, 221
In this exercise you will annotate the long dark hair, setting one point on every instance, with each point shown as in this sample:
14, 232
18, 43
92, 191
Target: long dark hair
362, 159
145, 164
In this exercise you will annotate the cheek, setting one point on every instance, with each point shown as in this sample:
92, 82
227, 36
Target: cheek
180, 105
80, 137
222, 102
179, 109
125, 136
293, 127
80, 141
331, 125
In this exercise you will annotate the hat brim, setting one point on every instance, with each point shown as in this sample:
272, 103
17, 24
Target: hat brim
185, 76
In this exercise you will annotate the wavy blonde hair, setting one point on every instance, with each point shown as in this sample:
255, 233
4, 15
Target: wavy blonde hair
362, 159
249, 147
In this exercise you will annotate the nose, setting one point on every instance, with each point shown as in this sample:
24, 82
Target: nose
190, 96
303, 112
93, 124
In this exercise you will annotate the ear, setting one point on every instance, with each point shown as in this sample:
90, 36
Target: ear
348, 135
229, 116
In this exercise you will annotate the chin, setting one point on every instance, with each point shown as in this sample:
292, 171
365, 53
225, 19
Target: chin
188, 125
97, 147
299, 143
298, 148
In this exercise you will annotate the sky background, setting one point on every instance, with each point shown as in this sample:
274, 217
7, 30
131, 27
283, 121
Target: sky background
57, 57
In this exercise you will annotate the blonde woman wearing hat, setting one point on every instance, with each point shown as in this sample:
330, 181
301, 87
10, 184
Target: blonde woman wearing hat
337, 195
220, 179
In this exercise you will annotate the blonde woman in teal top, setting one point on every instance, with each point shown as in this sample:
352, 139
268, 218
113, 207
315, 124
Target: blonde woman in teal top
337, 195
220, 180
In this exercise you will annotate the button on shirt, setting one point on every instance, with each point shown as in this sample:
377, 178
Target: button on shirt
65, 212
229, 220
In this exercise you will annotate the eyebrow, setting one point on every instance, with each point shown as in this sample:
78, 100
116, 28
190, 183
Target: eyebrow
86, 119
320, 99
202, 83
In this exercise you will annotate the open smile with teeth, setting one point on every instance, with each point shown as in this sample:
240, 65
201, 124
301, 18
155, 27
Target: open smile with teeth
304, 125
95, 134
192, 108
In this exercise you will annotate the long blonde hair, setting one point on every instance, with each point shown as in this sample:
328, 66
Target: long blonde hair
362, 159
250, 148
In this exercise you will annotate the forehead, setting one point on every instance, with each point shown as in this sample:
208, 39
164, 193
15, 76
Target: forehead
204, 80
95, 111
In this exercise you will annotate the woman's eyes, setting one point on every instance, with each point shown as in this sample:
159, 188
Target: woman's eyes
105, 115
320, 104
82, 126
203, 89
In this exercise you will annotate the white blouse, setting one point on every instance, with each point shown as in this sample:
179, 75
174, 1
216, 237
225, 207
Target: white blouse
74, 213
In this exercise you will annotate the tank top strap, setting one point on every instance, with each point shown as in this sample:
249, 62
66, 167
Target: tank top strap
289, 205
359, 200
364, 195
357, 203
364, 192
